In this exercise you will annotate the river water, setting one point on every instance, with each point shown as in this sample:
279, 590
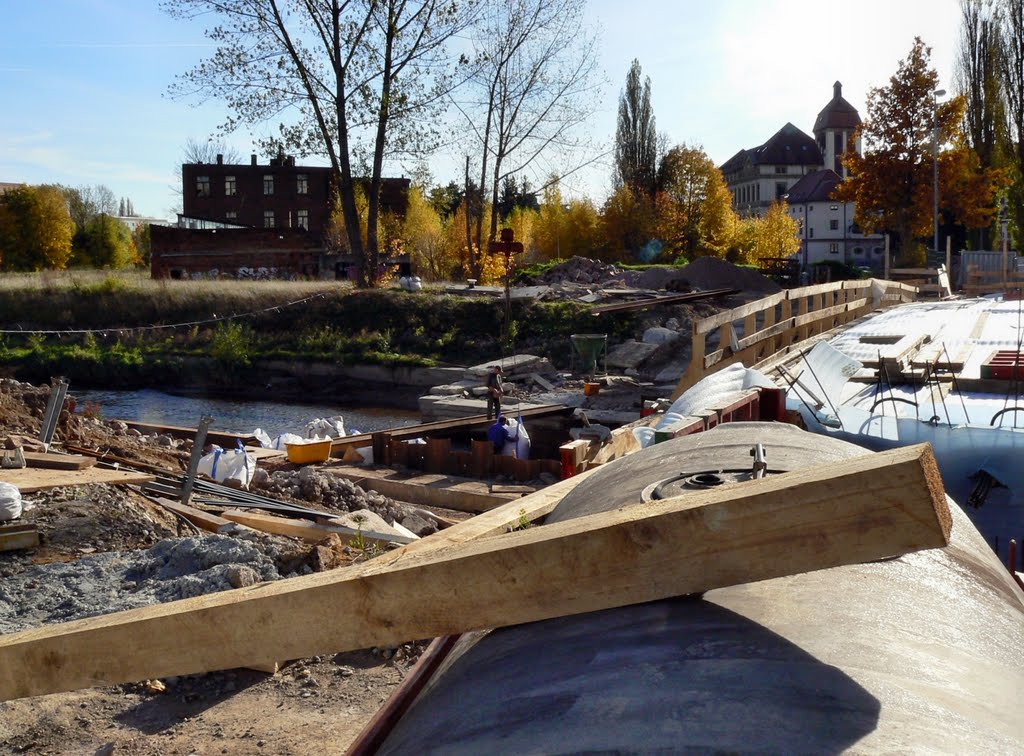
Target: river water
238, 416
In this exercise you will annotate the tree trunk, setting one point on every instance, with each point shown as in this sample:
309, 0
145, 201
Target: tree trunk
373, 200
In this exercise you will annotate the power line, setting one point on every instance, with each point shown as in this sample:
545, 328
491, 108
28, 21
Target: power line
215, 318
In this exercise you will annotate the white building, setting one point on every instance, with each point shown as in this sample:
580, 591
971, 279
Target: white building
762, 175
827, 230
804, 172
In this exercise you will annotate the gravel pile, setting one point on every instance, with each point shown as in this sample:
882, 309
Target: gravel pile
328, 491
582, 270
173, 569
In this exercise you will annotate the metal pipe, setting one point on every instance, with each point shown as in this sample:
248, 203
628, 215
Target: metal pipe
935, 163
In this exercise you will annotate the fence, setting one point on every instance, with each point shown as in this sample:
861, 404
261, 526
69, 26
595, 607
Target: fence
775, 324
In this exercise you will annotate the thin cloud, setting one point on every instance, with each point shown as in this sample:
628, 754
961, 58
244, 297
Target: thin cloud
125, 45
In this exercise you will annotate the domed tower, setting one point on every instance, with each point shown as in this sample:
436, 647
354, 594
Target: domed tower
834, 128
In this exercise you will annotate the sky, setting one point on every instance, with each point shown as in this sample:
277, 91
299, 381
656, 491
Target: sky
84, 83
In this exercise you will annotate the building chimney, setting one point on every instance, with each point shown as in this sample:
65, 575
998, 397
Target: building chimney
837, 90
253, 157
220, 159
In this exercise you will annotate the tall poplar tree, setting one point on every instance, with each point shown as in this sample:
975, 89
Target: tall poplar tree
636, 140
979, 81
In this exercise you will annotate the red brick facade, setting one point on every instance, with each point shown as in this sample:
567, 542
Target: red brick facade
238, 253
280, 195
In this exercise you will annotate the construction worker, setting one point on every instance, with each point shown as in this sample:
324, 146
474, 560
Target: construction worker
494, 375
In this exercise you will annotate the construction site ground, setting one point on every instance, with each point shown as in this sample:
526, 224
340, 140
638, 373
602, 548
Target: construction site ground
105, 546
322, 700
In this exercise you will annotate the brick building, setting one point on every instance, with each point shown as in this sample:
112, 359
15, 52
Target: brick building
278, 195
264, 221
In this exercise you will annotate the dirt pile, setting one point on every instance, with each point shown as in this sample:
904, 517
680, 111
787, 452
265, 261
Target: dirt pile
712, 273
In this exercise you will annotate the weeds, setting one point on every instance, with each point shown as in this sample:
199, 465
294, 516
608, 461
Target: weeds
521, 523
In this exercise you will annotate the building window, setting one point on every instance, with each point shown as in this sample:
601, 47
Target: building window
268, 219
858, 251
833, 248
834, 208
231, 215
833, 225
879, 250
268, 184
230, 187
780, 169
302, 183
303, 219
202, 186
810, 233
780, 190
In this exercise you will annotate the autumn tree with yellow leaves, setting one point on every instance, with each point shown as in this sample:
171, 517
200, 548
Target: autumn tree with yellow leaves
892, 182
35, 229
694, 206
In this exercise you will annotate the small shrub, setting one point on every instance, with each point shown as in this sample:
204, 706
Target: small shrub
232, 344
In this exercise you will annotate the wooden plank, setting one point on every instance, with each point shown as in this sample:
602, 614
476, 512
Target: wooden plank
225, 439
51, 461
306, 530
199, 518
708, 324
867, 508
670, 299
444, 491
17, 536
29, 479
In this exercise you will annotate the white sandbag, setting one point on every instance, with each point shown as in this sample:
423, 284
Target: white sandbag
517, 443
281, 442
221, 465
644, 436
10, 502
334, 427
263, 437
523, 444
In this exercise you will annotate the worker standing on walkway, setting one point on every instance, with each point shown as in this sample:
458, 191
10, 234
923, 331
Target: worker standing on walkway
494, 375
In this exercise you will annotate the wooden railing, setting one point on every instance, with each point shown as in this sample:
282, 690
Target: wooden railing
755, 331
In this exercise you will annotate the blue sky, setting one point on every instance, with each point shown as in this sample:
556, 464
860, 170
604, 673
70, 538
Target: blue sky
83, 82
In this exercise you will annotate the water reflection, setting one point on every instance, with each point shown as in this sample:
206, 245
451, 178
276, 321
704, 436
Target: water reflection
237, 416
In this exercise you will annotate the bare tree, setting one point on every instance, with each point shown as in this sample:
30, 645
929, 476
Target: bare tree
200, 151
346, 75
535, 81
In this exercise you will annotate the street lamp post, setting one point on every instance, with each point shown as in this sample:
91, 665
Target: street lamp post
935, 164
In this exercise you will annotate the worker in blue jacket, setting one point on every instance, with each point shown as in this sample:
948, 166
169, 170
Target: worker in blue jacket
497, 434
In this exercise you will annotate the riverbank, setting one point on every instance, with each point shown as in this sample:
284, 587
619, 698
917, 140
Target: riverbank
247, 340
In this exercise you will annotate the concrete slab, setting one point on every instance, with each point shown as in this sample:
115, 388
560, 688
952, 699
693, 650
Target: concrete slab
450, 407
517, 363
631, 354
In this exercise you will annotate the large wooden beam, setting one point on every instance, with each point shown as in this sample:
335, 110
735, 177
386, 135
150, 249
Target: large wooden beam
867, 508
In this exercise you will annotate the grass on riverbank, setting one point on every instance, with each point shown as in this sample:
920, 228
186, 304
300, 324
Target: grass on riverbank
141, 330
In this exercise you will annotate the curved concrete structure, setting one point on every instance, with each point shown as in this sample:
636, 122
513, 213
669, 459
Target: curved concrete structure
924, 653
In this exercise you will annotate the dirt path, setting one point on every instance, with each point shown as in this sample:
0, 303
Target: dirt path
315, 705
